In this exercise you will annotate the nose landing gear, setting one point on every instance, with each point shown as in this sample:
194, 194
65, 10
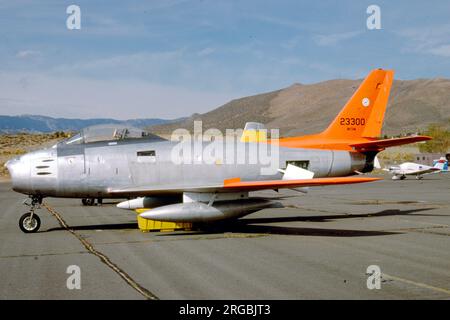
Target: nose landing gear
91, 201
30, 221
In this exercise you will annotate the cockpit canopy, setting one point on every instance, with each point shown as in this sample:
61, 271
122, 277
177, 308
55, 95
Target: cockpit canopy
108, 132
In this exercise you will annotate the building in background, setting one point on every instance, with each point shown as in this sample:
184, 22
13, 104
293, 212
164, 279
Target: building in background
429, 159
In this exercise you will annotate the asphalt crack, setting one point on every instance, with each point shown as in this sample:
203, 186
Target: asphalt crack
42, 255
127, 278
429, 230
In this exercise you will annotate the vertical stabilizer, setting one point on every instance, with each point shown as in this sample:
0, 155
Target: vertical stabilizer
363, 114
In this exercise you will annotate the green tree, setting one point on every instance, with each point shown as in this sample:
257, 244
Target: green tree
440, 142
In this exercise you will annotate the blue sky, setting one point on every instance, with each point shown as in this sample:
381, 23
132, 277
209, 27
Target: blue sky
144, 59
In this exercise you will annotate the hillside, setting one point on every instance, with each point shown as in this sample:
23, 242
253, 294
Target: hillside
33, 123
305, 109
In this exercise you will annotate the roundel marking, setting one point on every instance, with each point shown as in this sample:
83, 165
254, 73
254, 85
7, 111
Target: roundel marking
365, 102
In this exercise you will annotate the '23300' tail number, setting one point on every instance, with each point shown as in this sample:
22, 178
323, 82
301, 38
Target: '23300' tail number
352, 121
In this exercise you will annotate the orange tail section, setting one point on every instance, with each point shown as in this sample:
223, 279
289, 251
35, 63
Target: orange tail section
362, 116
359, 123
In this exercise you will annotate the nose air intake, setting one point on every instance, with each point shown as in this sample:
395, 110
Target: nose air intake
19, 170
10, 164
34, 172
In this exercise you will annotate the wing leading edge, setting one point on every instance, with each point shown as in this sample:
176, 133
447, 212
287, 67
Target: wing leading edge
421, 172
235, 184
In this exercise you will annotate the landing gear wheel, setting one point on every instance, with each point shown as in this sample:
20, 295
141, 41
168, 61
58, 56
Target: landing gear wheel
88, 201
29, 223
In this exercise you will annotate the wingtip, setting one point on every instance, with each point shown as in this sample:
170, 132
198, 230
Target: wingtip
368, 179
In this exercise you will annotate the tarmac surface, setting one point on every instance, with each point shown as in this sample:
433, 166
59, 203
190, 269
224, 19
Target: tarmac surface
318, 247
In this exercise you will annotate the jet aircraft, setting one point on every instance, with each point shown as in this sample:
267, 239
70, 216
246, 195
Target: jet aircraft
113, 162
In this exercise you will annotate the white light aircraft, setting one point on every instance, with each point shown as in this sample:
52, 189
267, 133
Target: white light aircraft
412, 169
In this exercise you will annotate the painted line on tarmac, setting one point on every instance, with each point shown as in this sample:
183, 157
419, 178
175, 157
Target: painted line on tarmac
130, 281
417, 284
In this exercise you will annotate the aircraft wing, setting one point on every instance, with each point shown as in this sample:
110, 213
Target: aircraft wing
235, 184
420, 172
384, 143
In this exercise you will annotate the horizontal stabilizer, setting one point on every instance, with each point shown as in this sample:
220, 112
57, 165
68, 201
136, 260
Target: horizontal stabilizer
377, 145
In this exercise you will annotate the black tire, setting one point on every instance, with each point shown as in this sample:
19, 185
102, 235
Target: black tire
90, 201
26, 226
84, 201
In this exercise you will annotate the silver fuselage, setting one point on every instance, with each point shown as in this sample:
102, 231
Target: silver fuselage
94, 169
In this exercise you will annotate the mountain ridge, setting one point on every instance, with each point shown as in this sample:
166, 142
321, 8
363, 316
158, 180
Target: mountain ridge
309, 108
44, 124
296, 110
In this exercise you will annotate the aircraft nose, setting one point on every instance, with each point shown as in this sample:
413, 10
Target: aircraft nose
19, 170
7, 164
11, 165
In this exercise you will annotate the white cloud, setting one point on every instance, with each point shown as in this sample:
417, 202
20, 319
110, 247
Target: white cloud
428, 40
86, 98
443, 50
270, 19
293, 42
180, 68
102, 25
129, 62
333, 39
24, 54
206, 52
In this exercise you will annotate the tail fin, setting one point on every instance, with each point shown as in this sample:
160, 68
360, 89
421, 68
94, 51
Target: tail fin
363, 114
441, 164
